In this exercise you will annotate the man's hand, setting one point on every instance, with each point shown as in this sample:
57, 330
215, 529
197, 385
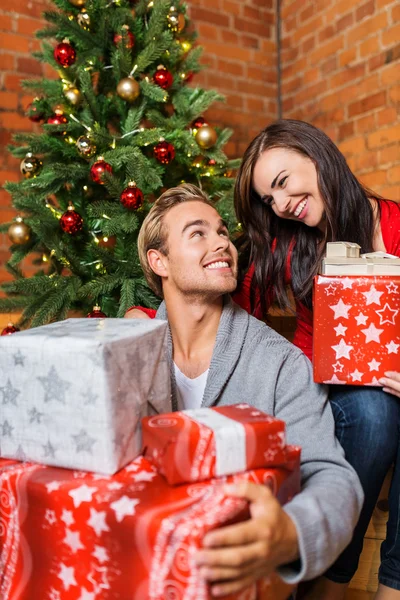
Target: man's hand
238, 555
136, 313
391, 383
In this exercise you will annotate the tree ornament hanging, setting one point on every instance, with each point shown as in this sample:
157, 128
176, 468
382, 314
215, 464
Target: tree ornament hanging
164, 152
197, 123
85, 146
126, 36
71, 221
128, 89
9, 329
83, 20
132, 196
108, 241
33, 113
173, 19
96, 313
65, 54
73, 95
58, 118
30, 166
19, 232
98, 169
77, 3
163, 77
206, 137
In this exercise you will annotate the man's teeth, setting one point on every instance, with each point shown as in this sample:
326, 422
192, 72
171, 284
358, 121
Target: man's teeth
300, 207
217, 265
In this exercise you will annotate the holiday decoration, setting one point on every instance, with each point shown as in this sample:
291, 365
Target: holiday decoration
164, 152
19, 232
83, 372
98, 169
163, 77
65, 54
57, 119
83, 20
71, 222
125, 35
132, 196
30, 166
9, 329
176, 21
128, 89
197, 123
85, 146
73, 95
34, 114
96, 313
86, 532
107, 241
78, 3
206, 137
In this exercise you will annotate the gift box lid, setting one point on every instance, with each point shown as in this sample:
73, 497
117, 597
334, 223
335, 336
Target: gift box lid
343, 258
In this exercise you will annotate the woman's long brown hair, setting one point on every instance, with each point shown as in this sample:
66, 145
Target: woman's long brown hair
348, 212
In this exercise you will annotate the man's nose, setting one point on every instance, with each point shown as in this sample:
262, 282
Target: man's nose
220, 242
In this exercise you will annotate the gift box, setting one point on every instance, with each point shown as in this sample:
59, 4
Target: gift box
356, 328
69, 535
73, 393
194, 445
343, 258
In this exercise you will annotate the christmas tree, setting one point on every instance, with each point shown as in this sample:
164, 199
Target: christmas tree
120, 125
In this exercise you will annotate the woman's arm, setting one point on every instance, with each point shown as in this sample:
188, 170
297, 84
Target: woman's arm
139, 312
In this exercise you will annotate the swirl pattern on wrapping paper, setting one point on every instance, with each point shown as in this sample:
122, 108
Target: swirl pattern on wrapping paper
173, 591
162, 421
9, 529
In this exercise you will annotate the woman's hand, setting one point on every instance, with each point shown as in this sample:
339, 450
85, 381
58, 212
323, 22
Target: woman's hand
135, 313
391, 383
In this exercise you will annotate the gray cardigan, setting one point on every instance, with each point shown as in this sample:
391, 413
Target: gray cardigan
252, 363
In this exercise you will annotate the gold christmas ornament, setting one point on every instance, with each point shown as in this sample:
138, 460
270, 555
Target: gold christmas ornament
19, 232
30, 166
185, 45
173, 19
77, 3
85, 146
206, 137
128, 89
73, 95
83, 20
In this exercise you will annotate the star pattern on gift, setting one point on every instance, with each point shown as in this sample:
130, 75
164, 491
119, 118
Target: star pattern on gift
124, 507
373, 296
50, 516
392, 348
83, 493
387, 315
338, 367
97, 521
372, 334
10, 393
19, 359
67, 517
361, 319
374, 365
242, 406
35, 416
67, 576
347, 283
334, 380
392, 288
54, 594
330, 290
340, 329
53, 486
54, 387
6, 429
341, 309
342, 349
115, 485
72, 539
20, 454
49, 450
85, 595
143, 476
83, 442
356, 375
100, 554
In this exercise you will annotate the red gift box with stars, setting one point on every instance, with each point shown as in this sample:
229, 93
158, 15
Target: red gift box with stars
73, 535
356, 328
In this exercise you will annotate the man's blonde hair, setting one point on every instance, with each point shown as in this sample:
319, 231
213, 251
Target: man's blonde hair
153, 233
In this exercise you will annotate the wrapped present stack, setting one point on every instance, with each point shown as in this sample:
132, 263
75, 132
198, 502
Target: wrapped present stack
70, 535
356, 316
74, 392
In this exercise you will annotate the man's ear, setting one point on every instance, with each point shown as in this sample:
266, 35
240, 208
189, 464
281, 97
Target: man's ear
158, 262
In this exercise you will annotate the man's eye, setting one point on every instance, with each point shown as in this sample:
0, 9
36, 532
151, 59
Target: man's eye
282, 181
224, 233
197, 233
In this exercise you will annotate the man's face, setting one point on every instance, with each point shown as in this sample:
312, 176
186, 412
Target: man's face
201, 260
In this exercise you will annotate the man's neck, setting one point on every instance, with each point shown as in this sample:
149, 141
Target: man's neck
194, 324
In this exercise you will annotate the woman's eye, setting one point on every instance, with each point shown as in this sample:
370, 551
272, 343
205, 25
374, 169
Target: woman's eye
282, 181
268, 200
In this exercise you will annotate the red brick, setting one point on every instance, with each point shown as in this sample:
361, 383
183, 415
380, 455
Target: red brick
389, 154
28, 26
6, 23
210, 16
347, 56
326, 33
394, 93
368, 103
346, 75
367, 27
384, 137
393, 174
329, 65
230, 37
208, 31
387, 116
308, 44
390, 74
8, 100
396, 13
28, 65
344, 22
8, 176
370, 46
391, 35
354, 145
346, 130
325, 50
365, 124
366, 161
365, 10
307, 12
232, 68
7, 61
16, 43
374, 178
261, 29
250, 41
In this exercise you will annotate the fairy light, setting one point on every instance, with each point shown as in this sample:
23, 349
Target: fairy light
106, 217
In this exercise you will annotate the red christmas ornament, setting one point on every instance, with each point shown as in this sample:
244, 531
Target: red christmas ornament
33, 113
57, 119
96, 313
127, 36
64, 54
164, 152
71, 222
199, 122
98, 169
132, 196
9, 329
212, 162
163, 77
189, 77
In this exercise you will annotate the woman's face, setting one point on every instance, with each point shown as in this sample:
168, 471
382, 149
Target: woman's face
287, 182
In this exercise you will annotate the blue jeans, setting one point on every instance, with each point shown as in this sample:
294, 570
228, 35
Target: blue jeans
368, 428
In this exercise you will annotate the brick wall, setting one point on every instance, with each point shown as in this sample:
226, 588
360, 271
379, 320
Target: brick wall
239, 50
341, 72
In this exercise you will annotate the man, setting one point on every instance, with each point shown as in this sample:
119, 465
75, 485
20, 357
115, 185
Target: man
221, 355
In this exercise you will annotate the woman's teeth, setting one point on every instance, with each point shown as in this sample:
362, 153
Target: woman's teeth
300, 207
217, 265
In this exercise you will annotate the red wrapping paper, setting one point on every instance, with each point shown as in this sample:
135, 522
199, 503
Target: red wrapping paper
185, 450
70, 535
356, 328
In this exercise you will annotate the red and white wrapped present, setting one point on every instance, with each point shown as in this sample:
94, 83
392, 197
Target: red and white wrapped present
199, 444
71, 535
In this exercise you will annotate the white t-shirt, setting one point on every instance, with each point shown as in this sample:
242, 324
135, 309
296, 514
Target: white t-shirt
190, 391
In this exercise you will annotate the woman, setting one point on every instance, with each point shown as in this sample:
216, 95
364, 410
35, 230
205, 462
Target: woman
294, 193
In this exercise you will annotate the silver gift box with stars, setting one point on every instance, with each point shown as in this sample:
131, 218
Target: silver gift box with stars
72, 393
